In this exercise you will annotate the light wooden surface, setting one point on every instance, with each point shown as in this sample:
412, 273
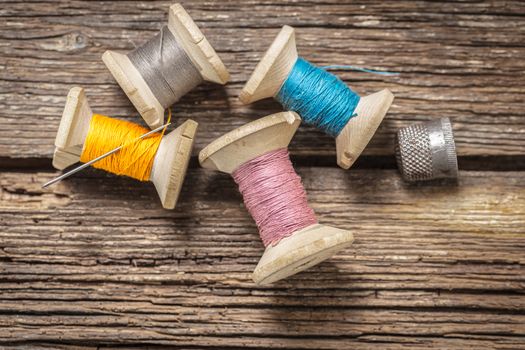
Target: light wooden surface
96, 263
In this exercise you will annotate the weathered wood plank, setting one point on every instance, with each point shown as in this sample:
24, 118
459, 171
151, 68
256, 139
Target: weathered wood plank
461, 60
96, 263
95, 260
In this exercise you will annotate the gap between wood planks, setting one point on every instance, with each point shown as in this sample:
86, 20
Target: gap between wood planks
480, 163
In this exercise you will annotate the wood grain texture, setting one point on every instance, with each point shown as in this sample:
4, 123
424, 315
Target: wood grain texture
95, 260
96, 263
461, 60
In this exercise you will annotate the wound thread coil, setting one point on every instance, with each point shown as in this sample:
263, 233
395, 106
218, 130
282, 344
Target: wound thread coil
321, 98
136, 157
274, 196
165, 66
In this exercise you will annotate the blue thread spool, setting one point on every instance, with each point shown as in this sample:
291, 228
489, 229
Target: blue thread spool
321, 98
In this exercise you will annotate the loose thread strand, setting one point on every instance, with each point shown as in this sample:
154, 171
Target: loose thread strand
359, 69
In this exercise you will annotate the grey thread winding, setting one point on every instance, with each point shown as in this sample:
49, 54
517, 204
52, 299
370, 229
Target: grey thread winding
165, 67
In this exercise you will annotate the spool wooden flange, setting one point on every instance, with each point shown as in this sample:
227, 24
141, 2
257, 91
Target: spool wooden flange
171, 159
304, 248
273, 70
198, 49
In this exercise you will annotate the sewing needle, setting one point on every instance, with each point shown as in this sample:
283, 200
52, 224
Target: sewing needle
85, 165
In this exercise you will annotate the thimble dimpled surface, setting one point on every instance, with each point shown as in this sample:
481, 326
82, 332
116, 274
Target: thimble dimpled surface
427, 151
413, 153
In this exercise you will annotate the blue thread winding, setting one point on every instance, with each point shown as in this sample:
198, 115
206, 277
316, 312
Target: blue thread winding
320, 98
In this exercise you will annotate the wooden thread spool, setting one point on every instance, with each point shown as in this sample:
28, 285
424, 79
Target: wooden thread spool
304, 248
198, 49
171, 159
273, 70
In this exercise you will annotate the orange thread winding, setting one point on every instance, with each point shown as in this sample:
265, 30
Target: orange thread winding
136, 157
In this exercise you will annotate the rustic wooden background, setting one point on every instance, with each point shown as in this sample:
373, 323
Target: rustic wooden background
95, 262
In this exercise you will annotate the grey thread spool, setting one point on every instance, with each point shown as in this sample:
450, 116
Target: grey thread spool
166, 67
427, 151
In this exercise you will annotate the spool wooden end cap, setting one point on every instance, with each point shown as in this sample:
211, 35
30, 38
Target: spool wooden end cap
249, 141
357, 133
273, 69
303, 248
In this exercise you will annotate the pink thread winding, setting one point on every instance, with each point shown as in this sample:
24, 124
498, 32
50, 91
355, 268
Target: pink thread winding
274, 196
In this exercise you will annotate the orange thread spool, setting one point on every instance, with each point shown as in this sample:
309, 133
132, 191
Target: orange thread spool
136, 157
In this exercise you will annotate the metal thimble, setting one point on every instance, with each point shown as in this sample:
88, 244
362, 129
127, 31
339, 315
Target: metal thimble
427, 151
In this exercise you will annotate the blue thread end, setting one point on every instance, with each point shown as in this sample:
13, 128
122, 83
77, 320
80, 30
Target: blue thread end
360, 69
321, 99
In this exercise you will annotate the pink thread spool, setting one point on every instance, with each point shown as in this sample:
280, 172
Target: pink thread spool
274, 196
245, 152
